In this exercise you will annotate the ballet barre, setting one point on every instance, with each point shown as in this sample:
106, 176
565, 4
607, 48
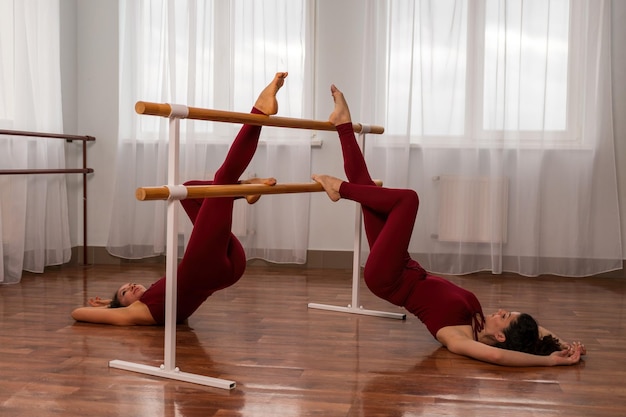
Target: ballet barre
171, 193
84, 170
166, 110
226, 190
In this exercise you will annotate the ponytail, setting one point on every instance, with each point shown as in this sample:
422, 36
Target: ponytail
523, 336
546, 345
115, 302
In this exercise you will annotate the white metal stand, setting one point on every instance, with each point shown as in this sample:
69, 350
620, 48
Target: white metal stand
169, 369
355, 307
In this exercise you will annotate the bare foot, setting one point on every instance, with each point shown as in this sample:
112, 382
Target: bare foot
331, 185
341, 113
266, 102
251, 199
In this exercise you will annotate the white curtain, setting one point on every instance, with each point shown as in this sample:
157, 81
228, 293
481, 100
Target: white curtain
34, 225
217, 55
498, 113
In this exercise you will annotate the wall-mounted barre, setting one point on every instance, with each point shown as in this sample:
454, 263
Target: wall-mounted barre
165, 110
230, 190
42, 171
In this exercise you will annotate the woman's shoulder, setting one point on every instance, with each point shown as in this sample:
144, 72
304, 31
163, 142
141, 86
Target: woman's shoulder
459, 332
135, 314
140, 313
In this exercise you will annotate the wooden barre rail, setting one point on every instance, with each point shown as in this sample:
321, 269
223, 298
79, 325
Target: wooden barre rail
164, 109
68, 138
46, 171
231, 190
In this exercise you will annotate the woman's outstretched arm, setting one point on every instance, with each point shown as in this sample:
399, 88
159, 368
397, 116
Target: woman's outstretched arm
135, 314
459, 343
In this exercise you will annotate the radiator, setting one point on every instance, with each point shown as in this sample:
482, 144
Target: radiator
472, 209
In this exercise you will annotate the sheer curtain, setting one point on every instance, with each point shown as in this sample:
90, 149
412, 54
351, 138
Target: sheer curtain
506, 109
34, 226
219, 55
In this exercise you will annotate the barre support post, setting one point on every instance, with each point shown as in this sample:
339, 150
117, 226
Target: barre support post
169, 369
355, 306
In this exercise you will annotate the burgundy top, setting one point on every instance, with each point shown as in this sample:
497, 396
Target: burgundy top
440, 303
154, 298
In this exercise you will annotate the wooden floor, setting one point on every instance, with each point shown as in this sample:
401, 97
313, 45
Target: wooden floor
288, 360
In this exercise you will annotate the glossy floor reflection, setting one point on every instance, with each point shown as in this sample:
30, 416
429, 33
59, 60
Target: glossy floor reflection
288, 360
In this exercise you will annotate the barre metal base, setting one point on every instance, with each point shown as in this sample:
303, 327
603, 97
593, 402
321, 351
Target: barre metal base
362, 311
173, 374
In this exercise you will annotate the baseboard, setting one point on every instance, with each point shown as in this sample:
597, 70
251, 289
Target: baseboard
315, 259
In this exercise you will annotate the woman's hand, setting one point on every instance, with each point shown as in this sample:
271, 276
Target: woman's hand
583, 349
570, 347
99, 302
570, 356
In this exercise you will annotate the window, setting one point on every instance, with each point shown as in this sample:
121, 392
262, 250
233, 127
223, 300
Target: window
206, 54
463, 72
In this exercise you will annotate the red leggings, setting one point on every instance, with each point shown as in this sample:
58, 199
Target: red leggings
214, 258
388, 215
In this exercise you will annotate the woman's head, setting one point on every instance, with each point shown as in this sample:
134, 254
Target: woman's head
522, 335
126, 295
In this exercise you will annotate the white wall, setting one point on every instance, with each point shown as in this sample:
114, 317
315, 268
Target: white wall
69, 70
90, 104
338, 58
619, 105
89, 86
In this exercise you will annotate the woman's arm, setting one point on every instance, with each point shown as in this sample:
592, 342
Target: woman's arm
459, 343
135, 314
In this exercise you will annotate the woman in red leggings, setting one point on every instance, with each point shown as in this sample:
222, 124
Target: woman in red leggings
452, 314
214, 258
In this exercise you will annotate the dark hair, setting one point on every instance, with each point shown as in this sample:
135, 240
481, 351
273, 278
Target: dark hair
522, 335
115, 301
